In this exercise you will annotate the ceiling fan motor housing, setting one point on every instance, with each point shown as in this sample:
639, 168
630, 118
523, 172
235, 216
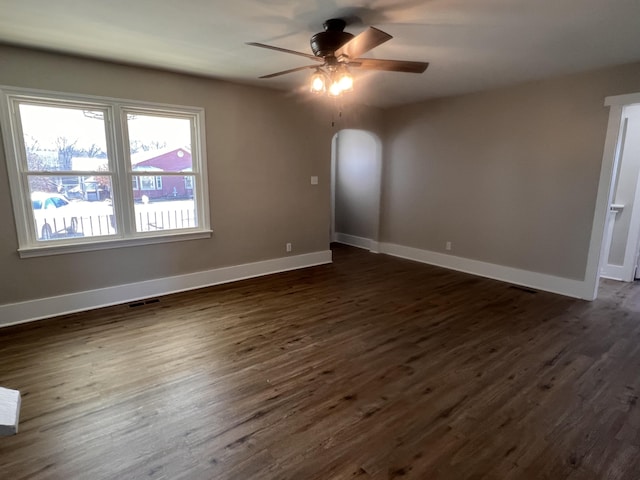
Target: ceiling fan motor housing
325, 43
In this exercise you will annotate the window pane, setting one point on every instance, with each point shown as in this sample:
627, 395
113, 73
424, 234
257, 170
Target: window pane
60, 138
157, 214
160, 144
71, 206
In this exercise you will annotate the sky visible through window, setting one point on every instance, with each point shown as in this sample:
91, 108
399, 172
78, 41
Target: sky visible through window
161, 132
47, 125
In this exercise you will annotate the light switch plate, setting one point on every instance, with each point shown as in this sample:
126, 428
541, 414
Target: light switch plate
314, 180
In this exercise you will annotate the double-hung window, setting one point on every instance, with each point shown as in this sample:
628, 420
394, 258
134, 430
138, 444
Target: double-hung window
89, 172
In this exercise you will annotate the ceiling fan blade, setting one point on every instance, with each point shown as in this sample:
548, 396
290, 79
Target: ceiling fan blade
285, 50
284, 72
360, 44
390, 65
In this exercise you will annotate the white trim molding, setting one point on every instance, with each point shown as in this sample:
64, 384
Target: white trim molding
538, 281
614, 272
22, 312
359, 242
622, 100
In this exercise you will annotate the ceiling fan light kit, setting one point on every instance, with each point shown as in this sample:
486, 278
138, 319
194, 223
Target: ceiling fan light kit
337, 51
318, 82
334, 81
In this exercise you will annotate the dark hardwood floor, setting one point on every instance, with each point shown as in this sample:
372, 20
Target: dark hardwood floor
370, 368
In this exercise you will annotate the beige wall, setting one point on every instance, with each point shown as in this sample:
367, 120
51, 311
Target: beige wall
262, 148
508, 176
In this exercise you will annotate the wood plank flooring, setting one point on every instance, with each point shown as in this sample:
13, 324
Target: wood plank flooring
370, 368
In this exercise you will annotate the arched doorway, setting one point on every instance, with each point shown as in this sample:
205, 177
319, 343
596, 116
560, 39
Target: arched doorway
356, 171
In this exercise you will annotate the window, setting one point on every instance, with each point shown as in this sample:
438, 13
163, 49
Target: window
89, 172
148, 183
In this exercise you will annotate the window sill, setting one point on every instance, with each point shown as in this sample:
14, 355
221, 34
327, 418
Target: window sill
63, 248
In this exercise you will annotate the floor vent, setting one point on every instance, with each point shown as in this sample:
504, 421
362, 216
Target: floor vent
523, 289
144, 302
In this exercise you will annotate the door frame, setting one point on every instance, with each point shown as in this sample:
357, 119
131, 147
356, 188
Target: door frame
606, 190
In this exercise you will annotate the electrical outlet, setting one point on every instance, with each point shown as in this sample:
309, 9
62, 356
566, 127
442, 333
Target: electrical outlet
289, 247
448, 246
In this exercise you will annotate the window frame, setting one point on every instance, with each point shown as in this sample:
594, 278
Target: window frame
118, 152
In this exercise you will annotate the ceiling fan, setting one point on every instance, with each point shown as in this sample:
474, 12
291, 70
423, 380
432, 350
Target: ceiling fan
335, 51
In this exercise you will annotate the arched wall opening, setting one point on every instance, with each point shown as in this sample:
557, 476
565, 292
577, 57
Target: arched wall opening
356, 173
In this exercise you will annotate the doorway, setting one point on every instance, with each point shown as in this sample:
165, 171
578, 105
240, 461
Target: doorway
615, 238
622, 235
356, 171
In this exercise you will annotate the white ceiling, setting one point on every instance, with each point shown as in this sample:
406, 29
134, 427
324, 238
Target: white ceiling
471, 44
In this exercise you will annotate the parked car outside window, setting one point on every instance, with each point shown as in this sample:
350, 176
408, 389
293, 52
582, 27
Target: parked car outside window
53, 214
56, 216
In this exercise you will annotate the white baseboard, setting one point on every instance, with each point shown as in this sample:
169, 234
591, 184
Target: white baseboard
538, 281
613, 272
359, 242
14, 313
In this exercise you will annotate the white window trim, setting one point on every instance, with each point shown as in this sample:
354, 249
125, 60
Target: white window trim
28, 244
62, 248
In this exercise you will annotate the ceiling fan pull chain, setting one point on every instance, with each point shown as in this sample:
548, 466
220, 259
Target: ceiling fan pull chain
338, 107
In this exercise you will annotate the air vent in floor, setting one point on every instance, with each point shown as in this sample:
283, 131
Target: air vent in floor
523, 289
144, 302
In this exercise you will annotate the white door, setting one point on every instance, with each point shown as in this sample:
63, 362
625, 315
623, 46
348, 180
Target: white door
622, 239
